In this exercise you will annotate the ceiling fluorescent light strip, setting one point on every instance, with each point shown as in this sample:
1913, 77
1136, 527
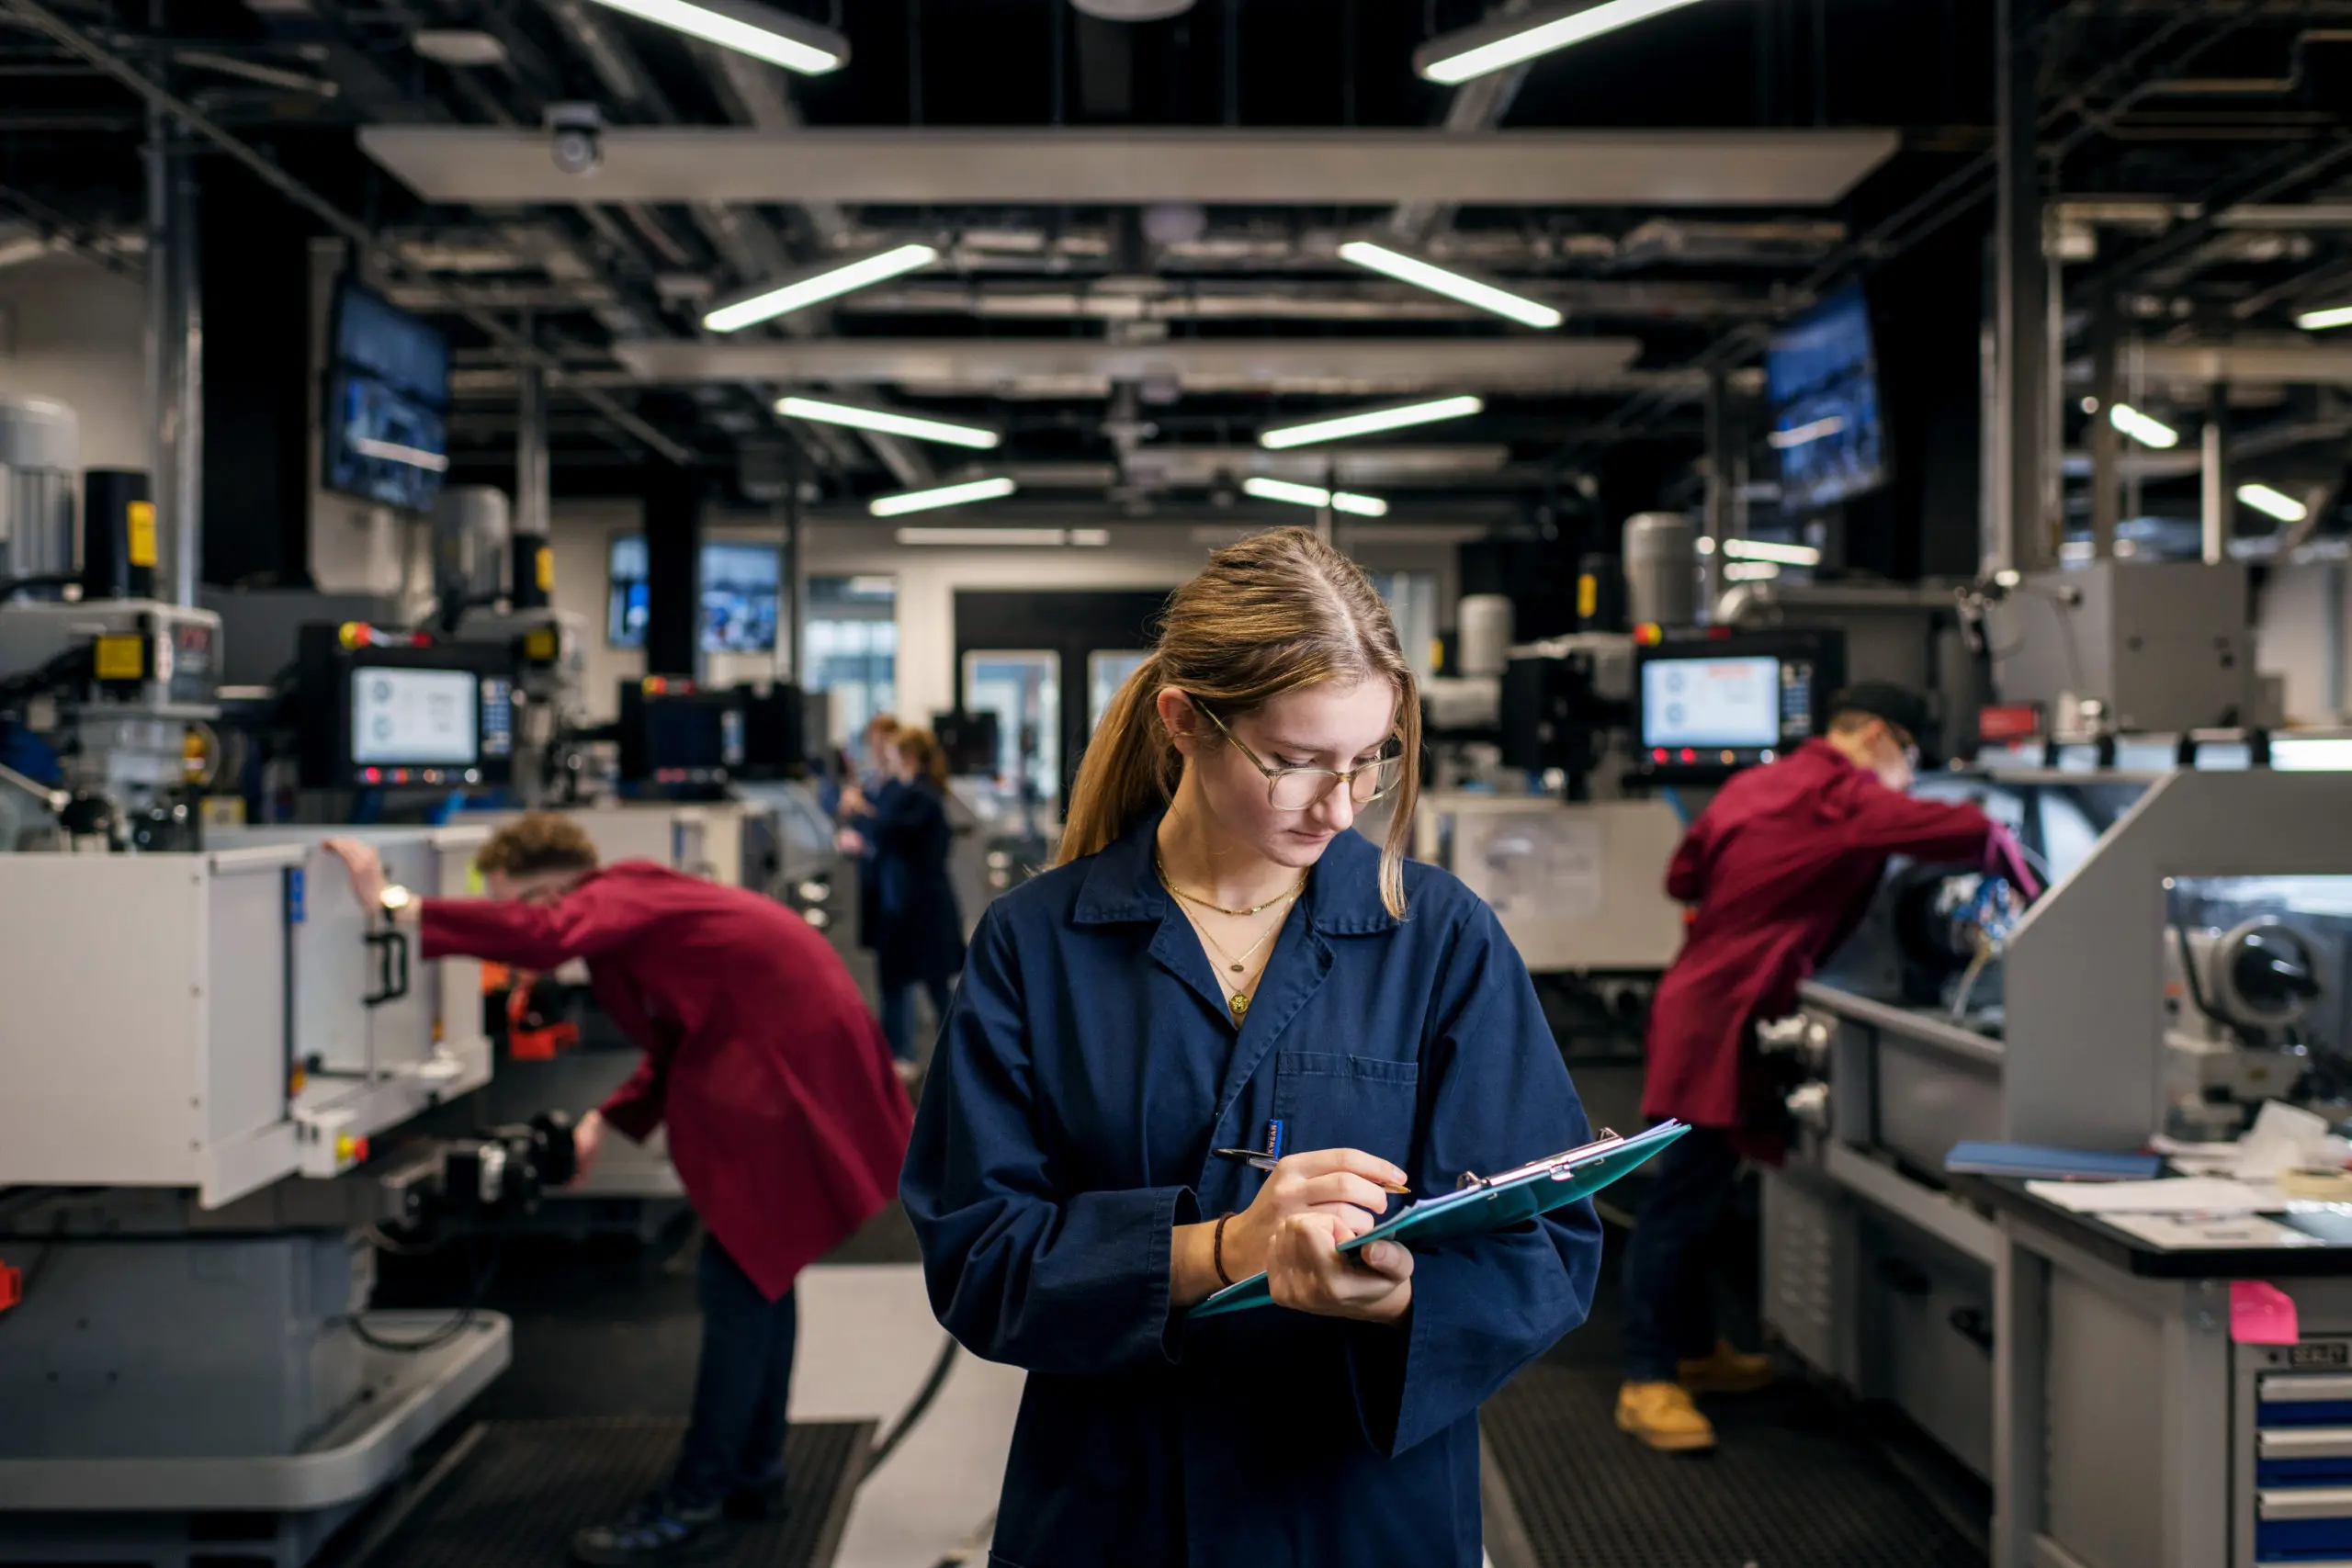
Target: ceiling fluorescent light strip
888, 424
1370, 422
2273, 504
2140, 427
1029, 538
830, 284
1453, 285
1315, 496
746, 27
969, 491
1498, 45
2320, 321
1767, 551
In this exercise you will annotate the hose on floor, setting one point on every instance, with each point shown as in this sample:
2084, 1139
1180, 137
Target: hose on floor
916, 1408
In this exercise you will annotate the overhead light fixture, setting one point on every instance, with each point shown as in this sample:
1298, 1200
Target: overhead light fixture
1028, 538
816, 287
468, 47
1508, 41
969, 491
1751, 571
1315, 496
1453, 285
747, 28
2273, 502
2140, 427
1767, 551
1806, 435
2320, 321
978, 437
1370, 422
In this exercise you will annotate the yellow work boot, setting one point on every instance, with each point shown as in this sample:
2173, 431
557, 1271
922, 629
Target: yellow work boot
1725, 1371
1661, 1414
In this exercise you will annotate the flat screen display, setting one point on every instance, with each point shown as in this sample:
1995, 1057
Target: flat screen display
382, 445
738, 597
377, 337
414, 718
1823, 376
1712, 704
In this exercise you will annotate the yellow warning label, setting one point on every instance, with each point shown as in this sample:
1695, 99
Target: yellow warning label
1587, 596
121, 658
540, 645
545, 568
141, 518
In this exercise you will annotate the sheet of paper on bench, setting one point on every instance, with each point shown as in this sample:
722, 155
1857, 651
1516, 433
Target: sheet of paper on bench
2180, 1195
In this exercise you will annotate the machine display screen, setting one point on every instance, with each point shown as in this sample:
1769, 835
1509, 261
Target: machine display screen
384, 445
1731, 704
415, 718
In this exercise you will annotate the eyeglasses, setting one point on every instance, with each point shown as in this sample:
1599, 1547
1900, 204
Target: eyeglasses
1301, 789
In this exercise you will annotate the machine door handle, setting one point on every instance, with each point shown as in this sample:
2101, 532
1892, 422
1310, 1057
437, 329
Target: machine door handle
390, 950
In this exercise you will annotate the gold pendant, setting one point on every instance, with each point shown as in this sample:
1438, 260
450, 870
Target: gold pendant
1240, 1005
1237, 969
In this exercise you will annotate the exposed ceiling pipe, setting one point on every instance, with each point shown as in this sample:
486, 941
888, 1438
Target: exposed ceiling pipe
333, 217
1477, 104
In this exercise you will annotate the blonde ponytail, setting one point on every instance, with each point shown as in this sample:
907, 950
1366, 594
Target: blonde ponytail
1277, 612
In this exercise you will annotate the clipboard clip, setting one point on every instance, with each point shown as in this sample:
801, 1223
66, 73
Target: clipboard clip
1560, 1166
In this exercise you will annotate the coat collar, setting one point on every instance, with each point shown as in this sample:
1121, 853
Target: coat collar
1342, 894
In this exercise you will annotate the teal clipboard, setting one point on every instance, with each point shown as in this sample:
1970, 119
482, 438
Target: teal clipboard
1488, 1203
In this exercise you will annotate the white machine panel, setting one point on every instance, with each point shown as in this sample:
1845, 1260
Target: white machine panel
144, 1040
1578, 886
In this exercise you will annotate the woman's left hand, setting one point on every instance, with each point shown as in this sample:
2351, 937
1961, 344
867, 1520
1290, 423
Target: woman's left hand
850, 842
1306, 1272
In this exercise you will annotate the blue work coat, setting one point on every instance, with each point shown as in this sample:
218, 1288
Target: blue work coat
1088, 1067
918, 933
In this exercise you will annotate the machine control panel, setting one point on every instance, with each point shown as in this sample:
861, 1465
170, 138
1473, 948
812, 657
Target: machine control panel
1713, 702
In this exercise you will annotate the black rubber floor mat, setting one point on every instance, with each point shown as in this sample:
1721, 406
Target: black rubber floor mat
513, 1495
1791, 1484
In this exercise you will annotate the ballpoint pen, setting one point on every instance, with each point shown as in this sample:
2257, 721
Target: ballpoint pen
1259, 1159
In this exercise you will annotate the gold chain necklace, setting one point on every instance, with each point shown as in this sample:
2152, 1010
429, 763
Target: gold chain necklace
1210, 904
1237, 1000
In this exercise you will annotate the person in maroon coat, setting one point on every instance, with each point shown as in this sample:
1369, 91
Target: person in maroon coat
1781, 867
787, 1125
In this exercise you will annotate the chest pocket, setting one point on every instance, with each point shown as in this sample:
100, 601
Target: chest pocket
1332, 1101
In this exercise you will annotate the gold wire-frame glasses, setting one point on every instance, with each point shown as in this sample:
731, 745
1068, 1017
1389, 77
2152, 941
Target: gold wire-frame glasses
1301, 789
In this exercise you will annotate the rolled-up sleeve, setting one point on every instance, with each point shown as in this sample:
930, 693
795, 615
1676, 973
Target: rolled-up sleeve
1019, 1271
1484, 1306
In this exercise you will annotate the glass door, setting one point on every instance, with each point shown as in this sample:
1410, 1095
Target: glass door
1107, 670
1024, 689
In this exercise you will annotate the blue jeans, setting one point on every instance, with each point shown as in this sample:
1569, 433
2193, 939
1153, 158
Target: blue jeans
898, 1014
1670, 1307
735, 1440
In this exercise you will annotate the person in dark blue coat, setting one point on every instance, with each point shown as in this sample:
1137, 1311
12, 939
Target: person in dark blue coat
918, 931
1221, 961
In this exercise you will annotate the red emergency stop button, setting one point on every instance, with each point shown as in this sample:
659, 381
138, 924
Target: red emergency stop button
12, 1286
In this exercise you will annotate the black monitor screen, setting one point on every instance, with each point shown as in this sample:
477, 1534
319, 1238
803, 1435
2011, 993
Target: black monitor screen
738, 597
1823, 376
377, 337
382, 445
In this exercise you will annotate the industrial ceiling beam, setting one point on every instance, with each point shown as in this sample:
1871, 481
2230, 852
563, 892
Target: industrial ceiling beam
1196, 364
1320, 168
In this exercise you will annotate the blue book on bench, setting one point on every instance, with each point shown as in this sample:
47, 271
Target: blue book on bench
2056, 1165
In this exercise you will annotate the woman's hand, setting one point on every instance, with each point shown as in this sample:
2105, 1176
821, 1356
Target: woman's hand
587, 1141
850, 842
1341, 1187
366, 868
1308, 1273
1343, 1184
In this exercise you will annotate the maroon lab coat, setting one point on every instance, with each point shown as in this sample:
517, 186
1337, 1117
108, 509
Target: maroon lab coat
787, 1124
1783, 865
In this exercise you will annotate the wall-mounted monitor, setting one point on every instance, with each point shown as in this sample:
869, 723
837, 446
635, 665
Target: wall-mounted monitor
1822, 376
739, 585
383, 437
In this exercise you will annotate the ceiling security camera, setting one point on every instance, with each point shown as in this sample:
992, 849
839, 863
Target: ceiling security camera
576, 137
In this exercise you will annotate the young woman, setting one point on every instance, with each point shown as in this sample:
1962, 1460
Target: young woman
918, 935
1218, 962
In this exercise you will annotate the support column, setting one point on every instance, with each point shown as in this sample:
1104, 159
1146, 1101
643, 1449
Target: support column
2220, 495
673, 565
174, 345
2106, 492
1719, 492
2023, 523
796, 564
531, 507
